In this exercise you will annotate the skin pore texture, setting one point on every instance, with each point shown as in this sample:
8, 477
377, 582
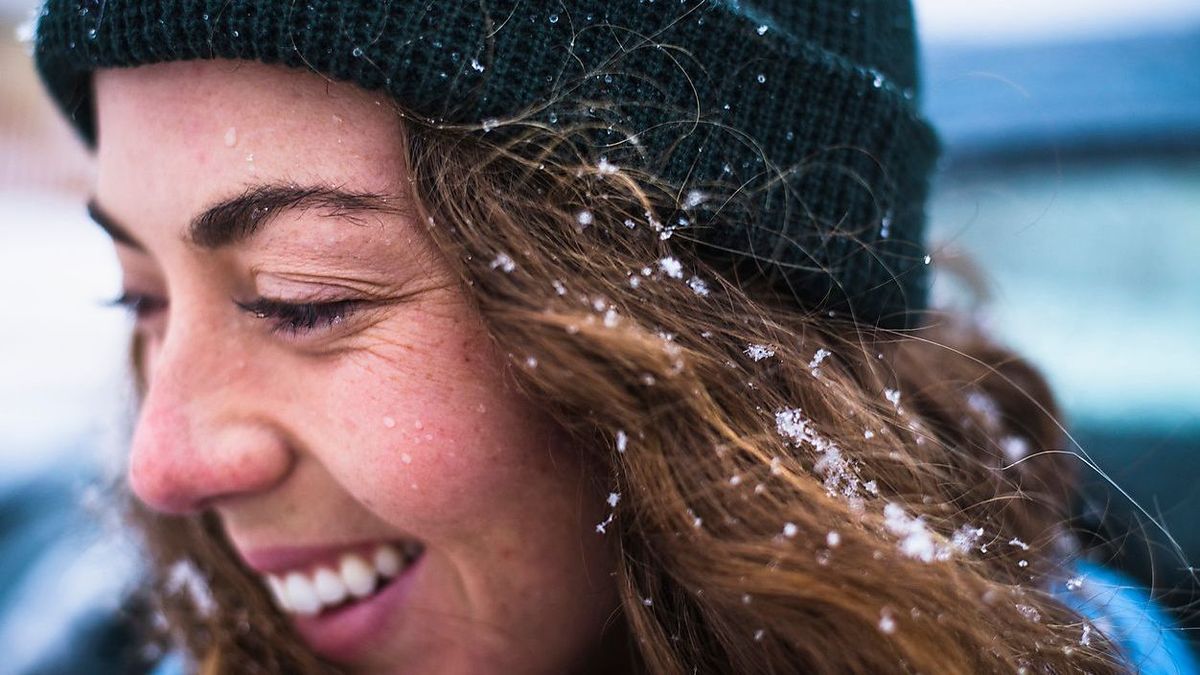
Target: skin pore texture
392, 421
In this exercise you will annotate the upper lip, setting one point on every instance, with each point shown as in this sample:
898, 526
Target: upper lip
275, 559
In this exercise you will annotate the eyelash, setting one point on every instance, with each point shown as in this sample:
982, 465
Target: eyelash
300, 318
139, 305
288, 318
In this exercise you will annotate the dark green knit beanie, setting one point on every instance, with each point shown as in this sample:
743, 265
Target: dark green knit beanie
805, 109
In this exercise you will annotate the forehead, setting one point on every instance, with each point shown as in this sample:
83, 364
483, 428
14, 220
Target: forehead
199, 130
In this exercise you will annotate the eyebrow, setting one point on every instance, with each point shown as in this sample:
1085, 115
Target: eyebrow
236, 219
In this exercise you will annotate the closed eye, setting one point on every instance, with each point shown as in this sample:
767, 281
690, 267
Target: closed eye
139, 305
294, 319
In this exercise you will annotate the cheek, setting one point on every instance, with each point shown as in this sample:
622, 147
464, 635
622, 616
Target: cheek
432, 441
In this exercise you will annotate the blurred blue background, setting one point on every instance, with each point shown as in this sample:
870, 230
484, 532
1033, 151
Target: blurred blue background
1071, 179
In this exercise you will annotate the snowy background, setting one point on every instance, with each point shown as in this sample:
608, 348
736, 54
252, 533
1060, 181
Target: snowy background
1072, 176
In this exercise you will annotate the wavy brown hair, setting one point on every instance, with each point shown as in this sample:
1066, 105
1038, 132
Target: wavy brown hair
800, 493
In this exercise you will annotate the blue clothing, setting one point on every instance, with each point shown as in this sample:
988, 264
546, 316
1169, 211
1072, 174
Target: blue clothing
1123, 611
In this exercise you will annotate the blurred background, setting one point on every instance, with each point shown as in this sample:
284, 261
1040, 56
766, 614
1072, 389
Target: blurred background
1071, 178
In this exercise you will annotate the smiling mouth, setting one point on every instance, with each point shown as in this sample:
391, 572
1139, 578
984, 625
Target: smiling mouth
351, 578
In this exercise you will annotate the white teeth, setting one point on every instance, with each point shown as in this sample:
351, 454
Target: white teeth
301, 596
388, 561
357, 575
278, 591
329, 587
305, 594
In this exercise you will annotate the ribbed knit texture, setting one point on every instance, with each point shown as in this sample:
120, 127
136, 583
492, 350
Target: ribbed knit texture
809, 106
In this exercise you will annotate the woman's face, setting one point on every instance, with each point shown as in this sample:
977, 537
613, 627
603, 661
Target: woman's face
316, 378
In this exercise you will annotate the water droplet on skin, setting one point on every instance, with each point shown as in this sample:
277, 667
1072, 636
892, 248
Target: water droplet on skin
230, 137
389, 422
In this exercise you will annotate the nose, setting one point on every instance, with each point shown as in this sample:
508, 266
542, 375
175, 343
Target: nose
204, 431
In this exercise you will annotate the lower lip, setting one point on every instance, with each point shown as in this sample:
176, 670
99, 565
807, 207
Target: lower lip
347, 633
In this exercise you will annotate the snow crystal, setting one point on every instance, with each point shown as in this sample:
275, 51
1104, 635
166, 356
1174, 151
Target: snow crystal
841, 477
762, 30
814, 365
647, 602
607, 168
585, 217
833, 539
477, 66
868, 434
184, 577
928, 259
965, 537
746, 598
611, 318
1017, 542
698, 286
559, 288
671, 266
531, 361
693, 199
1022, 563
790, 530
504, 262
622, 441
602, 527
490, 123
1029, 612
791, 425
984, 405
887, 623
759, 352
1074, 583
630, 224
735, 480
1086, 638
613, 498
759, 635
1014, 447
885, 226
893, 396
916, 540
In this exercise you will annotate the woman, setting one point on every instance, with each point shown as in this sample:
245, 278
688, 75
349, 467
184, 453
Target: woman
486, 337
